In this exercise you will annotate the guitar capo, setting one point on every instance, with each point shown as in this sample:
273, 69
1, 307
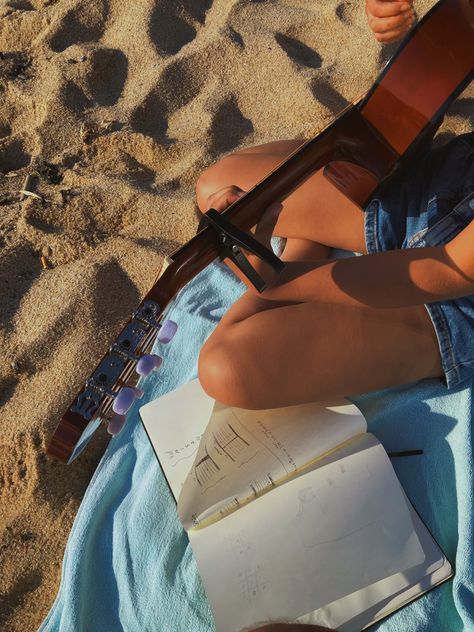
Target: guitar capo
231, 240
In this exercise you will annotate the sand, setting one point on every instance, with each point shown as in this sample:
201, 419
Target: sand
113, 109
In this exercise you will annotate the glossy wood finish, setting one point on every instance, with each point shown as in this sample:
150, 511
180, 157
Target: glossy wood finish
409, 95
413, 91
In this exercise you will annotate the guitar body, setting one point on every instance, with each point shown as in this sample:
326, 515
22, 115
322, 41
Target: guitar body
389, 125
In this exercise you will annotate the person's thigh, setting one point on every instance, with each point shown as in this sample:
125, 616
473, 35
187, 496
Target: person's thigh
317, 210
314, 351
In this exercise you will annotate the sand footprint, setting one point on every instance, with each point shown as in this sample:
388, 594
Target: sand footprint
178, 85
12, 599
8, 385
344, 12
5, 129
74, 98
151, 117
13, 65
173, 23
229, 127
13, 154
106, 76
121, 299
20, 5
84, 23
21, 588
18, 270
299, 53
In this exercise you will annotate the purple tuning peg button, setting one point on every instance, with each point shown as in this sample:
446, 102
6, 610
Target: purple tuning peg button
167, 331
125, 398
116, 424
148, 363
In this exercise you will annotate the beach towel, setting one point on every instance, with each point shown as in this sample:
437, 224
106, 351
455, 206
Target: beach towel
128, 564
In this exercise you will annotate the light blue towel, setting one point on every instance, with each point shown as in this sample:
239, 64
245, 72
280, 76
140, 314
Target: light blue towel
128, 565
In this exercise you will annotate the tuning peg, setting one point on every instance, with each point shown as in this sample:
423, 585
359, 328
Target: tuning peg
116, 424
148, 363
125, 398
167, 331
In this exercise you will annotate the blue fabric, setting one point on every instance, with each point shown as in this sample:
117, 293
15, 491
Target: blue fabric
421, 192
427, 203
128, 565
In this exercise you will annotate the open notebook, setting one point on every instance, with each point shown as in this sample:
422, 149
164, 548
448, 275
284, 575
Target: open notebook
292, 513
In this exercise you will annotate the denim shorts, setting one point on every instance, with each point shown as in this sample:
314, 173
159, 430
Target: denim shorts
427, 203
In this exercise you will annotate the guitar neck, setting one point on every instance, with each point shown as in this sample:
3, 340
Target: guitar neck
350, 137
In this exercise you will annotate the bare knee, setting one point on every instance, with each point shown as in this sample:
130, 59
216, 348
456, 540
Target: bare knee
225, 378
213, 179
203, 189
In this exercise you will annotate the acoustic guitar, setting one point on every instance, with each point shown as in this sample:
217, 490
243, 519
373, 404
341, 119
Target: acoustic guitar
379, 133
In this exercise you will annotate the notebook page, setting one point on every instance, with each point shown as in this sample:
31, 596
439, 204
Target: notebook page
244, 453
356, 611
175, 423
317, 538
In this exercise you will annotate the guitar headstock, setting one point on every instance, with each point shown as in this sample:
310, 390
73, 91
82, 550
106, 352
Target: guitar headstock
111, 390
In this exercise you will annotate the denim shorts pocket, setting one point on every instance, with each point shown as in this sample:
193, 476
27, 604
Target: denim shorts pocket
445, 229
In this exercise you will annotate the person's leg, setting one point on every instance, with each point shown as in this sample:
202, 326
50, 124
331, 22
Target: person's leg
265, 354
317, 212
